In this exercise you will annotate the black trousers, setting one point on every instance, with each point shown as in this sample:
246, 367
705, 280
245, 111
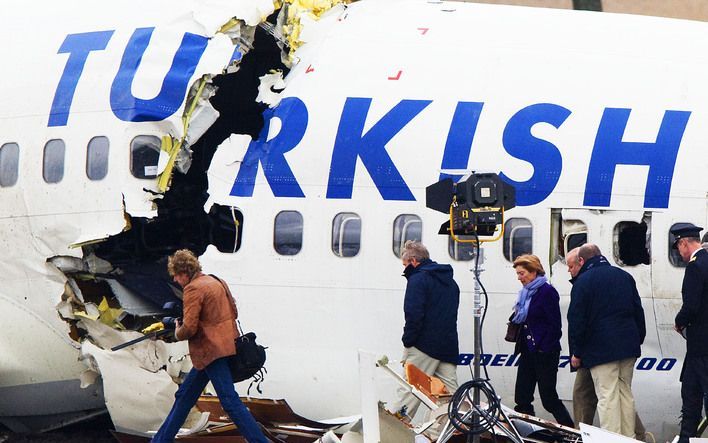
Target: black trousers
540, 368
694, 386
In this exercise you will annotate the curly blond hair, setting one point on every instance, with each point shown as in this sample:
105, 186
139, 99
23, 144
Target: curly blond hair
183, 262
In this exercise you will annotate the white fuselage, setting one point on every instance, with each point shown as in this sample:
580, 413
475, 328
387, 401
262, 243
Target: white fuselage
383, 97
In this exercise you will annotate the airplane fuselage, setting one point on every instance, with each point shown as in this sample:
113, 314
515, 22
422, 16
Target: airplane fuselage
597, 120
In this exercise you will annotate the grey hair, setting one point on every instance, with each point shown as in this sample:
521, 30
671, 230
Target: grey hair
588, 251
414, 250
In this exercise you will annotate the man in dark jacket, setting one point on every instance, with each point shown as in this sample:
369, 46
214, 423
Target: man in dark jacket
584, 398
692, 323
430, 307
606, 329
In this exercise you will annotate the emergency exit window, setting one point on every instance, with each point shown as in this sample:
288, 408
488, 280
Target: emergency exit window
631, 245
346, 234
97, 158
53, 164
144, 154
406, 227
518, 238
287, 233
575, 240
9, 164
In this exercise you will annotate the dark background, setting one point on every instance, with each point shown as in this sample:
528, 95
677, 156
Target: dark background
96, 430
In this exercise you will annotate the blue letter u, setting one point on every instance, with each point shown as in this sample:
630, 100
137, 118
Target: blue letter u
129, 108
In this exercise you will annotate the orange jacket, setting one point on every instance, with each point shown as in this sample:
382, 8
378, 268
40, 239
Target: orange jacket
209, 321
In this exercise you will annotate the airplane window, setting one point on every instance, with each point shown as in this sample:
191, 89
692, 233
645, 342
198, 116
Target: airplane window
631, 245
575, 240
226, 228
566, 234
287, 233
53, 168
346, 234
144, 154
97, 158
674, 256
518, 236
461, 251
9, 164
406, 227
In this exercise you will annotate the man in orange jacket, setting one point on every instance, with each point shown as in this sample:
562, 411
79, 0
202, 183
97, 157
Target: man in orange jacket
210, 326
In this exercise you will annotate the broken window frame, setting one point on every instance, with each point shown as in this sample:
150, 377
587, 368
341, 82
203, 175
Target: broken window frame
53, 161
567, 240
9, 164
141, 147
97, 158
512, 227
340, 224
618, 250
563, 232
281, 233
236, 217
461, 251
401, 228
674, 257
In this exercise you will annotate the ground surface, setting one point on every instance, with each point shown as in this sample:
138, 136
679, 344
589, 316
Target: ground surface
94, 431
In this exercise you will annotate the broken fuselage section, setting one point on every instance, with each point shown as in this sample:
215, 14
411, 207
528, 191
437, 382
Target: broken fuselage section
86, 266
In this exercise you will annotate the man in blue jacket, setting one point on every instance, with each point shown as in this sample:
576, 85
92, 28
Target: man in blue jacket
606, 329
430, 307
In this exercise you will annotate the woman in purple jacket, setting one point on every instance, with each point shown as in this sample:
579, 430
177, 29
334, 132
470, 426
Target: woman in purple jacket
537, 309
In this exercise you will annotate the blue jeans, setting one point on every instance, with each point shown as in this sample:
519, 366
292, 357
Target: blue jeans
189, 392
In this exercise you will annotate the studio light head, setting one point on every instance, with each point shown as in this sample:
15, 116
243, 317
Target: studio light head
476, 204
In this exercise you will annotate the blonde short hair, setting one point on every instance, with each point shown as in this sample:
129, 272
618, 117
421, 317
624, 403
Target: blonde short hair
183, 262
531, 263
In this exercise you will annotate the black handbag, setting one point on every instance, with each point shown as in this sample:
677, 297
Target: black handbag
512, 332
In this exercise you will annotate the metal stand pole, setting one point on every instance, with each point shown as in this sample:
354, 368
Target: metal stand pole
477, 334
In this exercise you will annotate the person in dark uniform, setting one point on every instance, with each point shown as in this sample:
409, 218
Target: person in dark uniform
692, 323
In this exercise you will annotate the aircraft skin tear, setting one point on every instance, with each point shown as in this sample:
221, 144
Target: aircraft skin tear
199, 114
269, 91
97, 307
225, 164
297, 15
137, 399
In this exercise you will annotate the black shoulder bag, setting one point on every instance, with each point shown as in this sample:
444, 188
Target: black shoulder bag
249, 360
250, 357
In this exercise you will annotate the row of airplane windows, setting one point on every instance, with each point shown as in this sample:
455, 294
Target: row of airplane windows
144, 155
630, 249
